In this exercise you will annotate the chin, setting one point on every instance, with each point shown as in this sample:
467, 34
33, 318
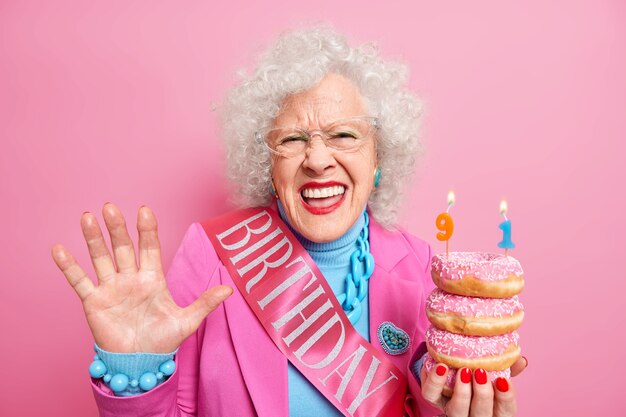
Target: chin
324, 229
324, 237
322, 224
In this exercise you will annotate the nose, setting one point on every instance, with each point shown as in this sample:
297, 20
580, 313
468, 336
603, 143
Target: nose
318, 157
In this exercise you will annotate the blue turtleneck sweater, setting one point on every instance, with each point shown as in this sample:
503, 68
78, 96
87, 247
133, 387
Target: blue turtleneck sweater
333, 259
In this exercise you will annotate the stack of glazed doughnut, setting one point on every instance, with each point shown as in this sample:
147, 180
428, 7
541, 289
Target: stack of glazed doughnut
474, 313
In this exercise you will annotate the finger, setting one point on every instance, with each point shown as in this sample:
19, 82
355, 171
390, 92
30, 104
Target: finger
482, 395
504, 403
123, 250
197, 311
74, 274
459, 404
98, 251
149, 246
520, 364
433, 383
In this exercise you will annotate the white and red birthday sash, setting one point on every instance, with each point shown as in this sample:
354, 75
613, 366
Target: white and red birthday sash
296, 306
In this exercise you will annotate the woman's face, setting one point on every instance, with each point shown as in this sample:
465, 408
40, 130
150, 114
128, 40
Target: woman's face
321, 168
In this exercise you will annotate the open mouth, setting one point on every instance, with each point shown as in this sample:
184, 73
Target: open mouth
322, 198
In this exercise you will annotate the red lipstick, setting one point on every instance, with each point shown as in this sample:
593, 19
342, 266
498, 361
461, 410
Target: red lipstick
322, 210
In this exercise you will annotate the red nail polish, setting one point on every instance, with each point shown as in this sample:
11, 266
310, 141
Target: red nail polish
480, 376
502, 384
526, 359
466, 375
441, 370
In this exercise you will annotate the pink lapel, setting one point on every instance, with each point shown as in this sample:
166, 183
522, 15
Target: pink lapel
263, 366
390, 286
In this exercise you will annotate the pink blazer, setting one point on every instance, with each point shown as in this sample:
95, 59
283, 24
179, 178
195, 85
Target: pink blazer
231, 367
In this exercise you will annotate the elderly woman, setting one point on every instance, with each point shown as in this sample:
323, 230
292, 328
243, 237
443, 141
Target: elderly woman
307, 303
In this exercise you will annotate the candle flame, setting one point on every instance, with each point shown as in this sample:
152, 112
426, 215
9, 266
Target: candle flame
504, 207
451, 198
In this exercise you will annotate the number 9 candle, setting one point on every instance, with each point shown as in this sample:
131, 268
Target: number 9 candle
506, 243
444, 222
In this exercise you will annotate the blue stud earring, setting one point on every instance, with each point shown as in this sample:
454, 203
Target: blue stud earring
376, 177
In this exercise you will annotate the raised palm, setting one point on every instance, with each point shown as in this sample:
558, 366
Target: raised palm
131, 308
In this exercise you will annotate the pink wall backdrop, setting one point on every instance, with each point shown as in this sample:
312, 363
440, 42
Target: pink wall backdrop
111, 101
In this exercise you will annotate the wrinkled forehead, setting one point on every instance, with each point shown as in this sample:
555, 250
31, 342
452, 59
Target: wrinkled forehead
328, 101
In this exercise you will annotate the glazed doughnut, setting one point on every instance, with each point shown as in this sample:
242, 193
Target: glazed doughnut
478, 274
474, 316
492, 353
430, 363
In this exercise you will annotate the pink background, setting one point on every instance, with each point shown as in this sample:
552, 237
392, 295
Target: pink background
525, 100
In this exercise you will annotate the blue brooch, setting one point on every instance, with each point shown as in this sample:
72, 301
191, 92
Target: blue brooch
393, 339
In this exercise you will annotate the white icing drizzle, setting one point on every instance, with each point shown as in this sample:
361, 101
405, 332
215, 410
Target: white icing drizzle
463, 346
481, 265
441, 301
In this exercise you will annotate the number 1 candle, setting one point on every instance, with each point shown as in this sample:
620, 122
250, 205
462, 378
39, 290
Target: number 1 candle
444, 222
506, 243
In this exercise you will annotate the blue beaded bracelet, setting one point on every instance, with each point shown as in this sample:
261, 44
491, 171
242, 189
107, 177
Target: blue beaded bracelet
119, 382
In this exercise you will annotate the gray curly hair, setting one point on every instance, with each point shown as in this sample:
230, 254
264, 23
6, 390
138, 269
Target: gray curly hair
299, 60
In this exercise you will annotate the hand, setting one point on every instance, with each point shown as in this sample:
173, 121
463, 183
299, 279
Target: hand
131, 309
472, 398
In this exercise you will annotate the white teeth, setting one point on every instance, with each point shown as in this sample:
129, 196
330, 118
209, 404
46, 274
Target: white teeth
323, 192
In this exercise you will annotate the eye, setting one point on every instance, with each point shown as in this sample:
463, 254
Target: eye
344, 135
343, 139
293, 139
